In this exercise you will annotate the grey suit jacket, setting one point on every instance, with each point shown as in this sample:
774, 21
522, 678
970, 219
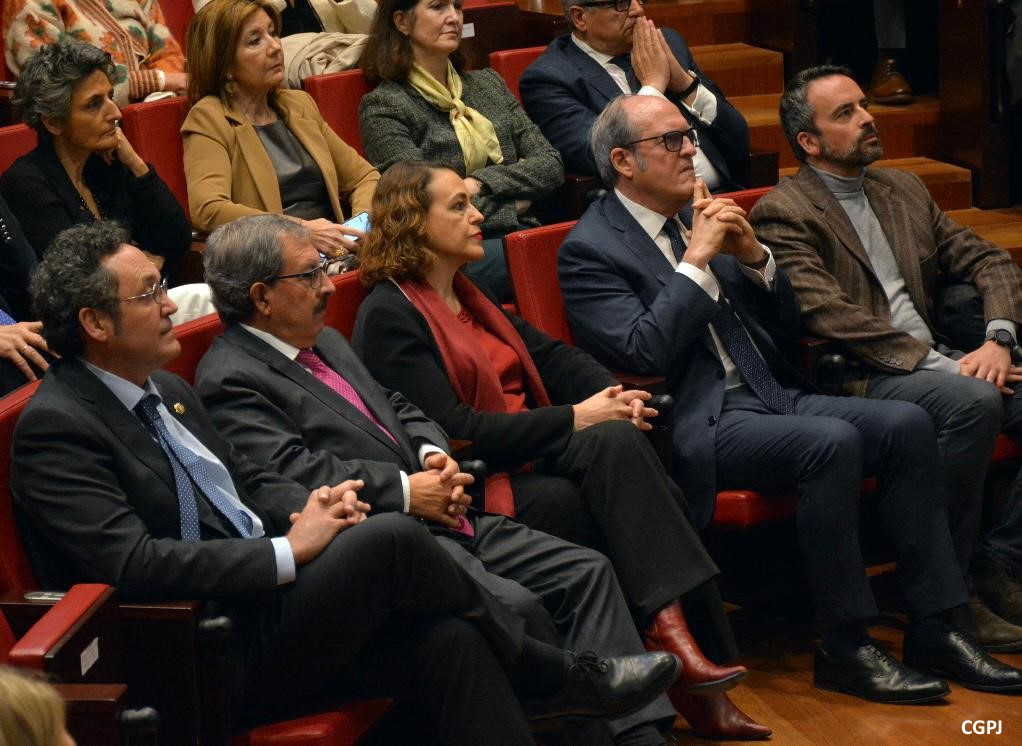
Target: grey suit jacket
840, 296
97, 500
278, 413
398, 124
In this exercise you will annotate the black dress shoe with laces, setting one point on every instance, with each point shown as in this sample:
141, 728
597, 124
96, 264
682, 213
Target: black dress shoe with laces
607, 688
870, 673
956, 656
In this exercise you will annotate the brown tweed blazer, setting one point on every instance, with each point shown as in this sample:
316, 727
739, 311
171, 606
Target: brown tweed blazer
838, 292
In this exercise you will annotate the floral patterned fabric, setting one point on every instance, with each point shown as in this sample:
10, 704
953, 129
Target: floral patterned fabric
134, 32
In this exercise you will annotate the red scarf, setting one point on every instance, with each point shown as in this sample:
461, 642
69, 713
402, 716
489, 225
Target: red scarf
472, 375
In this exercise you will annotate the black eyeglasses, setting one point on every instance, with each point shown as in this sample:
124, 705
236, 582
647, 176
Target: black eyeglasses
314, 277
621, 6
673, 140
156, 292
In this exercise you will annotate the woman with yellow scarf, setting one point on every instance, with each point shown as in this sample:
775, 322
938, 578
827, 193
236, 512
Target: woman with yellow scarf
427, 108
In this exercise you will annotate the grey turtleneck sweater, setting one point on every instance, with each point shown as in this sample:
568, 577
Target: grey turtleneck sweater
904, 315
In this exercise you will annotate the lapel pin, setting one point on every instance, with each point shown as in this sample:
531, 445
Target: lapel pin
179, 408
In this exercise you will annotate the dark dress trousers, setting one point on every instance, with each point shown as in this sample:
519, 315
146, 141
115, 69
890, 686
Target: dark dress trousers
603, 486
97, 502
628, 306
41, 195
565, 89
277, 412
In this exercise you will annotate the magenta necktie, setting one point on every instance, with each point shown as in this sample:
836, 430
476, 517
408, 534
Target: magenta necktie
334, 380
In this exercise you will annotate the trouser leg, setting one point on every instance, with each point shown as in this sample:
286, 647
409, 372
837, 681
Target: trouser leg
1003, 543
822, 458
967, 416
578, 588
386, 568
898, 448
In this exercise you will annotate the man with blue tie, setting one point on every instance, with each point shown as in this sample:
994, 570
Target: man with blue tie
706, 306
119, 477
613, 49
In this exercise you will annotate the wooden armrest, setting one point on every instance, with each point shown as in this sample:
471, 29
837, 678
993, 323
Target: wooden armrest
821, 362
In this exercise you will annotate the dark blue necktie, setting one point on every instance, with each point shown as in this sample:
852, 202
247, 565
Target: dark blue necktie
188, 468
673, 233
743, 352
624, 61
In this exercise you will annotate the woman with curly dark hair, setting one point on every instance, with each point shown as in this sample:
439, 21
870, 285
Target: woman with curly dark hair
564, 438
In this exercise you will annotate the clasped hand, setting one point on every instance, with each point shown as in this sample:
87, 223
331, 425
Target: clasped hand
653, 61
719, 226
614, 403
327, 512
20, 343
438, 492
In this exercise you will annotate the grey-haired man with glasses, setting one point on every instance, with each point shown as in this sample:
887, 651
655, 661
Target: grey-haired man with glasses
705, 305
614, 49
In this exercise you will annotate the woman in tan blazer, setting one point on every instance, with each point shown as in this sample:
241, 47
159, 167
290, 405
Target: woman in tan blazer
251, 147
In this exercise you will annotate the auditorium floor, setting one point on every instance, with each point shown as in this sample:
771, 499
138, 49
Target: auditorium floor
779, 693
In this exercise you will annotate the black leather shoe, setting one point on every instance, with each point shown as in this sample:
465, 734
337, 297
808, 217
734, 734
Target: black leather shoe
985, 627
1000, 590
956, 656
607, 688
872, 674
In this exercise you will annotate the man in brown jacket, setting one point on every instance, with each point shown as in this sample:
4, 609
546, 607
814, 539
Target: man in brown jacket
863, 249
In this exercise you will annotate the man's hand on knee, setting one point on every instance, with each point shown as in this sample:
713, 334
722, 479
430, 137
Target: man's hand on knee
328, 511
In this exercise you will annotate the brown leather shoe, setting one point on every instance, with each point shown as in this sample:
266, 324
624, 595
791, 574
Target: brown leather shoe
717, 717
669, 631
999, 589
995, 634
889, 84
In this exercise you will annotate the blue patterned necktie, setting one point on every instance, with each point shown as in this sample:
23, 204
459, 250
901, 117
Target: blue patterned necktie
748, 361
6, 319
188, 468
674, 233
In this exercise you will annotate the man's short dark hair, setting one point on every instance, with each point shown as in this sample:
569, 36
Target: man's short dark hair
796, 113
241, 253
71, 277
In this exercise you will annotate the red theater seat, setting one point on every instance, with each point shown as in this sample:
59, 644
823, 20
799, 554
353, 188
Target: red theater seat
337, 96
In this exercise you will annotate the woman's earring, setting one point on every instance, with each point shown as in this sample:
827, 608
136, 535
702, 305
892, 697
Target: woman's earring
230, 86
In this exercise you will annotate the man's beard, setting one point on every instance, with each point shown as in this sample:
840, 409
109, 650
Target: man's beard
860, 154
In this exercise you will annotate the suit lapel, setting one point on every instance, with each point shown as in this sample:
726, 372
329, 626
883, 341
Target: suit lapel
130, 431
634, 238
308, 134
886, 204
299, 376
595, 76
834, 215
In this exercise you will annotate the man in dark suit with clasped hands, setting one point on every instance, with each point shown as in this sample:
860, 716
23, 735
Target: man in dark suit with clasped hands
120, 477
292, 394
613, 49
706, 306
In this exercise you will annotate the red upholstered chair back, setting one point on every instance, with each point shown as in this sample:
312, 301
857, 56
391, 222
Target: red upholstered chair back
343, 307
746, 198
15, 141
532, 263
511, 63
195, 337
154, 128
337, 96
178, 14
15, 572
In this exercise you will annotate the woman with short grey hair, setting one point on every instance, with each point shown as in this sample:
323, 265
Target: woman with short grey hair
84, 169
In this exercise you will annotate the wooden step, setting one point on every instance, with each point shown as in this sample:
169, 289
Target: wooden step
698, 21
1002, 227
741, 69
907, 131
949, 185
